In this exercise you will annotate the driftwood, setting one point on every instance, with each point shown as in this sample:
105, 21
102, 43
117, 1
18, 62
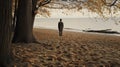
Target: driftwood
108, 31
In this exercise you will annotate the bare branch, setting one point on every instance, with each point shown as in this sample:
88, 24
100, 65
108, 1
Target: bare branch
114, 2
117, 6
64, 5
36, 6
43, 3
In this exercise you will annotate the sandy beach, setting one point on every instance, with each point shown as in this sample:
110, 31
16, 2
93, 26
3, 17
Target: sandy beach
73, 49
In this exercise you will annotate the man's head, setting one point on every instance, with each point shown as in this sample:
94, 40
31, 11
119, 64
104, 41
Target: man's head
60, 19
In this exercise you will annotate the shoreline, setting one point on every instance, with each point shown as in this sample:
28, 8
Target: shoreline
76, 31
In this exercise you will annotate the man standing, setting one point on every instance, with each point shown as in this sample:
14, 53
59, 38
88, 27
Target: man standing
60, 27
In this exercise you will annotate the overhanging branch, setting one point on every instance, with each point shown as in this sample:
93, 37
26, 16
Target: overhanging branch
43, 3
114, 2
36, 6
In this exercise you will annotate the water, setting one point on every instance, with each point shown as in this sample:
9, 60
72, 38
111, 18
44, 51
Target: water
77, 23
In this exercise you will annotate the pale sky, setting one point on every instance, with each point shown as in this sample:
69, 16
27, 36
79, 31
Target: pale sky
84, 13
64, 13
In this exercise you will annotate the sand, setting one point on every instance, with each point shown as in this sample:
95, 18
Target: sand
73, 49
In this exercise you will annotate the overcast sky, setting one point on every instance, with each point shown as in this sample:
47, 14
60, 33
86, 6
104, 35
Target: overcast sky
84, 13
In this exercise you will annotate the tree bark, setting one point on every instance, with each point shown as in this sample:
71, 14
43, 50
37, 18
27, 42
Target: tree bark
15, 15
24, 24
25, 19
5, 32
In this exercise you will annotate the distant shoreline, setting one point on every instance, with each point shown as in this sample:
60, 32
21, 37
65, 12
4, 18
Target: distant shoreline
101, 32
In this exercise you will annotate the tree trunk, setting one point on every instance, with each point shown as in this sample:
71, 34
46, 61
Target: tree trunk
5, 32
24, 24
15, 15
25, 19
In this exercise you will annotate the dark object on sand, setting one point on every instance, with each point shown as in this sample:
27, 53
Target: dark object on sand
60, 27
108, 31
